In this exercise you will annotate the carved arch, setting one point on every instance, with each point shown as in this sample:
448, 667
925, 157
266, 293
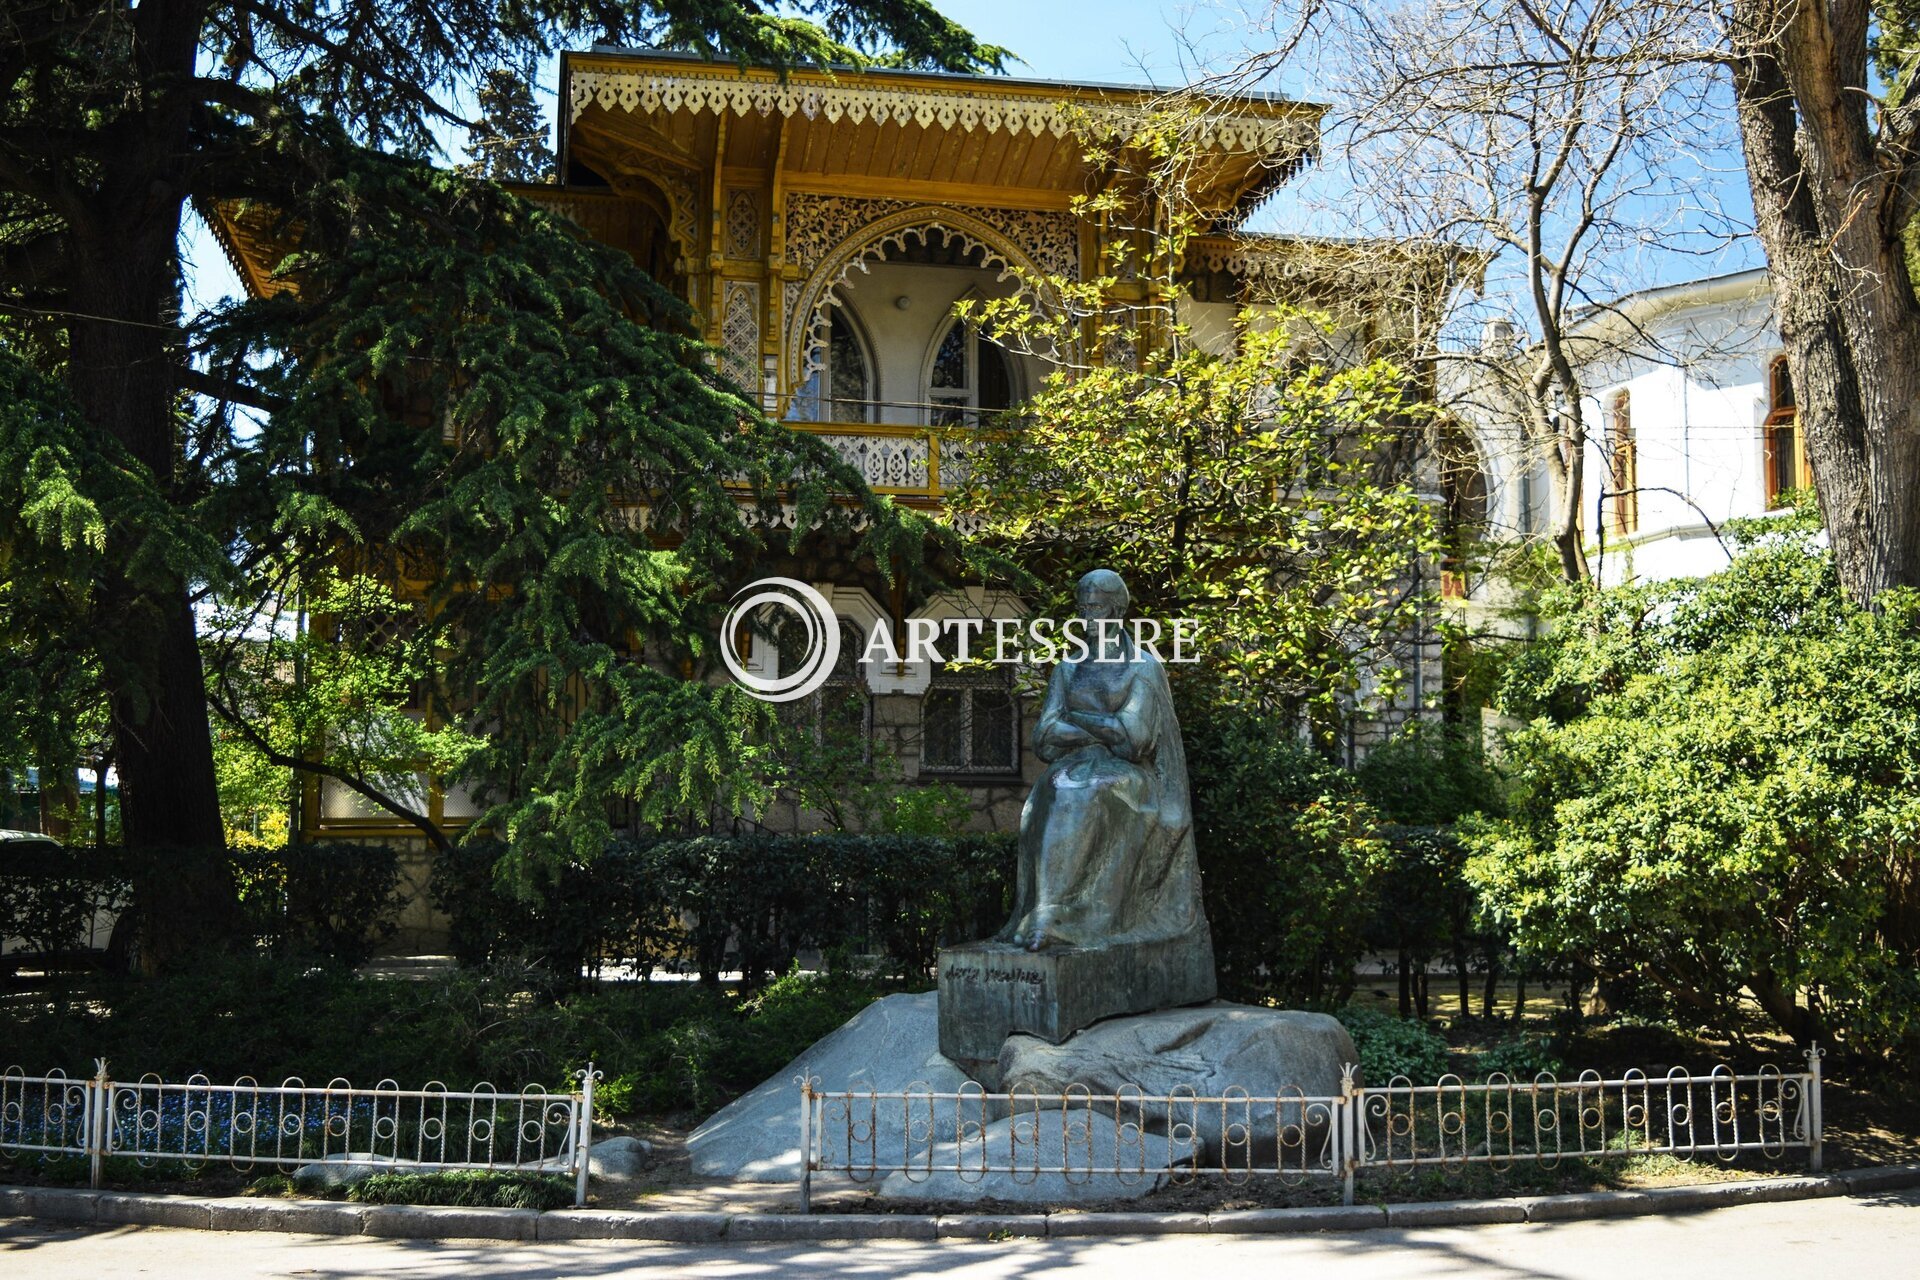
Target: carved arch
806, 321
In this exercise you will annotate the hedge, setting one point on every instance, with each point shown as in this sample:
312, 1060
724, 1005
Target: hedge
709, 903
333, 903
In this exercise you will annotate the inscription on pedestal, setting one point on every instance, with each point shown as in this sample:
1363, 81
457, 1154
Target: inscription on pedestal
990, 990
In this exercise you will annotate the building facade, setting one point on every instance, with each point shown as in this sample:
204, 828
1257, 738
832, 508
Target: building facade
1691, 423
823, 225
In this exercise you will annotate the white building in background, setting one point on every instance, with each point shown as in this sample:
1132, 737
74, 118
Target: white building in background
1691, 423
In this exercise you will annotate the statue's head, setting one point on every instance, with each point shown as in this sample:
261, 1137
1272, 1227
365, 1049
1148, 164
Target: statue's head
1101, 594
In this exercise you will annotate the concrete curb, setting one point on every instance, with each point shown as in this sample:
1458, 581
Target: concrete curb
413, 1222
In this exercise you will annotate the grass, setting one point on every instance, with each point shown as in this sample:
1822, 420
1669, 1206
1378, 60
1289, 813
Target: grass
466, 1189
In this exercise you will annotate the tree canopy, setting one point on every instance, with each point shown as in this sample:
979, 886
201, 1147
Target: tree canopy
459, 389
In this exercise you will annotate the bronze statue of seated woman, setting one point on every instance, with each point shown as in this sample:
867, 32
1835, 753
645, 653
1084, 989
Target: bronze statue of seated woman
1106, 837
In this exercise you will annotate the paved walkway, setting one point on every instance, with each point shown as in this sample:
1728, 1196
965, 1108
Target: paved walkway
1863, 1237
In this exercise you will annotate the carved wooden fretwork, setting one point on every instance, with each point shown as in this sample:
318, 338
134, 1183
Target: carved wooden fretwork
740, 331
828, 237
1279, 260
722, 91
743, 223
686, 215
886, 462
817, 225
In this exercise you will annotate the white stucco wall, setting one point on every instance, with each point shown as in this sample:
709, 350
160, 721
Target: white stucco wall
1698, 412
900, 340
1696, 373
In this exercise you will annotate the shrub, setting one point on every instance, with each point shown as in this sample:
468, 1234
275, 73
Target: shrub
329, 902
1521, 1058
466, 1189
663, 1047
1391, 1046
718, 902
1715, 796
1289, 858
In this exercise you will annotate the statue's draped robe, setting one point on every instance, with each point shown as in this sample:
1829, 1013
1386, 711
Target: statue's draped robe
1106, 837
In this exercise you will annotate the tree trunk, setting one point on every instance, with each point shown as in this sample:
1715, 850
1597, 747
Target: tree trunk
1792, 1017
1406, 985
1830, 214
122, 374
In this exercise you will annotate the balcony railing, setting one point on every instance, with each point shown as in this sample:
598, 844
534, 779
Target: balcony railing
904, 449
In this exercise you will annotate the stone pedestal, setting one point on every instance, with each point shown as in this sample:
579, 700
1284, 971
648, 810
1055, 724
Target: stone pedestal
990, 990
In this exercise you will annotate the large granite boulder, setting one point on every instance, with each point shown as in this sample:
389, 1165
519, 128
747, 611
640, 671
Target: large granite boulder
889, 1047
1208, 1050
1075, 1141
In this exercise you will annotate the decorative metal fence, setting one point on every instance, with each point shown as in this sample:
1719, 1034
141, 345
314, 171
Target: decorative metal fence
249, 1125
1296, 1138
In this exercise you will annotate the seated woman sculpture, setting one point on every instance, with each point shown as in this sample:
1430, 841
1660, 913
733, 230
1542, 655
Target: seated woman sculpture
1106, 837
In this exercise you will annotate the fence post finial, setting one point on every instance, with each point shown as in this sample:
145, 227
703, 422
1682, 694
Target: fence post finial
583, 1138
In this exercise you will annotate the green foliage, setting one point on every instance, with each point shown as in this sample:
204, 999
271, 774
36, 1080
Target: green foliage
333, 903
1391, 1047
49, 895
721, 903
456, 389
1521, 1058
1429, 774
337, 696
1289, 858
718, 1057
828, 763
1256, 482
663, 1047
466, 1189
66, 491
1717, 793
509, 141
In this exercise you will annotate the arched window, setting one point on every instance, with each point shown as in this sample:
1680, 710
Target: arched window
1623, 465
842, 390
842, 708
969, 378
1463, 485
1786, 460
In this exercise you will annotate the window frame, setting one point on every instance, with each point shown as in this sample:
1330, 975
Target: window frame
1780, 436
1623, 465
968, 684
964, 402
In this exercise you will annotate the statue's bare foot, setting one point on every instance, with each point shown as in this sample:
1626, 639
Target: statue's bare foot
1037, 934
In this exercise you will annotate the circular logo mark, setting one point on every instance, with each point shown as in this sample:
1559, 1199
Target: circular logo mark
817, 659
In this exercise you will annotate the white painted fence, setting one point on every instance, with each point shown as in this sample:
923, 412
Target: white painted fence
1300, 1138
249, 1125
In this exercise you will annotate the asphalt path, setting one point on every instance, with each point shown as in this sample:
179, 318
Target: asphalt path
1875, 1237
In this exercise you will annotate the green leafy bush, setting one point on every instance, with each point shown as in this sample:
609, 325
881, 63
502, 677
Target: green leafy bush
334, 903
1521, 1058
1391, 1046
466, 1189
1716, 797
662, 1047
1289, 856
